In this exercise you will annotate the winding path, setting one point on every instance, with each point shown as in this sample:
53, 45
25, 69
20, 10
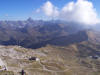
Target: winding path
44, 68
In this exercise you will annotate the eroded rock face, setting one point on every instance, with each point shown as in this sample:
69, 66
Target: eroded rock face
3, 66
1, 63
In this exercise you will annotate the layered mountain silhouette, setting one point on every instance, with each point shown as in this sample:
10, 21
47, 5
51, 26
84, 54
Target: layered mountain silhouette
36, 34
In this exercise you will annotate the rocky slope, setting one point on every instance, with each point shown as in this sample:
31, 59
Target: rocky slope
75, 59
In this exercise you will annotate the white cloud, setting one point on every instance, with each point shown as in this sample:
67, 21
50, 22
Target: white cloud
50, 10
81, 11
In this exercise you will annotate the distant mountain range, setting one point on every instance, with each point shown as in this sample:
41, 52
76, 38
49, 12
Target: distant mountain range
38, 33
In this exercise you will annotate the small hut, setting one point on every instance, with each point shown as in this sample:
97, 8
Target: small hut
34, 58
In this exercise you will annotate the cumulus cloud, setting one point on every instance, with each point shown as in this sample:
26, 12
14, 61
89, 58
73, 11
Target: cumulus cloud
81, 11
50, 10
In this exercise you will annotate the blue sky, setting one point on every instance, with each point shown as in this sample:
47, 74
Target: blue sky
22, 9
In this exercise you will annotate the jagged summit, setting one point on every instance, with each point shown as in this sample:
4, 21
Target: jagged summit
30, 19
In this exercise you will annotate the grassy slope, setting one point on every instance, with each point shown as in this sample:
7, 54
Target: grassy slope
53, 60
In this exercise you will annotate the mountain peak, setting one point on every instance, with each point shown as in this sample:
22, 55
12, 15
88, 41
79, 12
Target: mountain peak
29, 19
